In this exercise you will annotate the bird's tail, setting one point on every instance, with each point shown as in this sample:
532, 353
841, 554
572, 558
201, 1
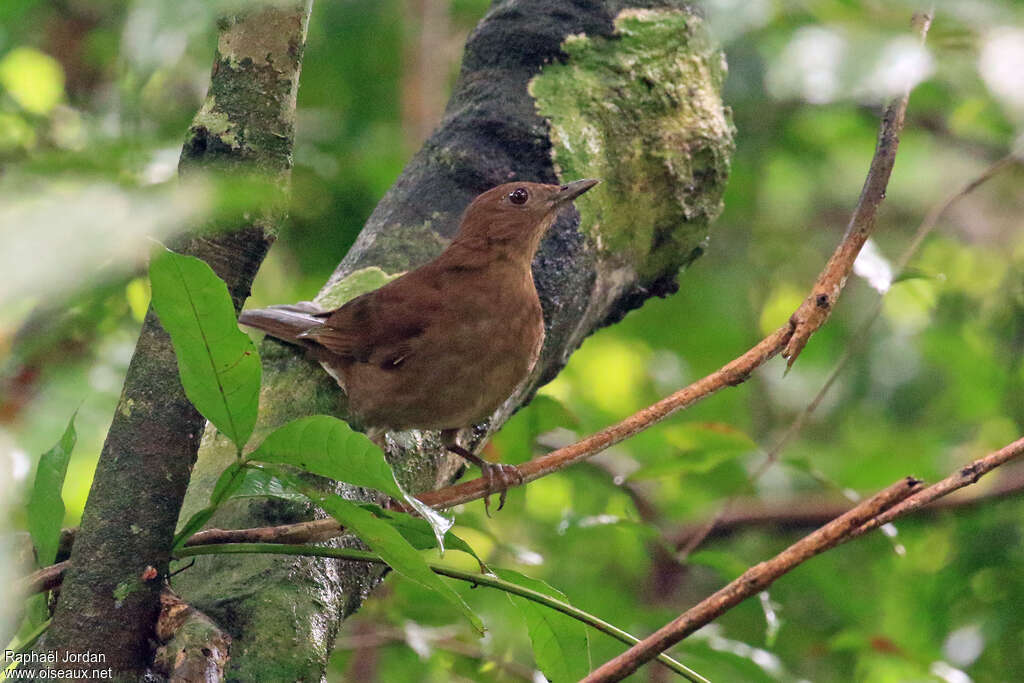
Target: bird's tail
284, 322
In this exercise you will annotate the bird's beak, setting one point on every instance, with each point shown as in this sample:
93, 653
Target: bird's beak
570, 191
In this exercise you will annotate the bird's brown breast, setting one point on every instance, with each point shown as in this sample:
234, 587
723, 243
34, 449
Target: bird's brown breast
467, 338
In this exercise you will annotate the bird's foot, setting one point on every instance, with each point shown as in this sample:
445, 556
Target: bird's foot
500, 478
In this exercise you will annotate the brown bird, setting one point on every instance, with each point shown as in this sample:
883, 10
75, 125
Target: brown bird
442, 346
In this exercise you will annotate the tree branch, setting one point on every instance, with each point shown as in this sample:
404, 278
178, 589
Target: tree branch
857, 342
903, 497
751, 582
110, 602
817, 307
802, 513
963, 477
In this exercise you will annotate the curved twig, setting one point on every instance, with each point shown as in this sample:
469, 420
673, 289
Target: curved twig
903, 497
474, 578
857, 342
817, 307
751, 582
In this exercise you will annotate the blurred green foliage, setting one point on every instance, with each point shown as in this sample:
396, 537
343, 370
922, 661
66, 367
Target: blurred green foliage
102, 91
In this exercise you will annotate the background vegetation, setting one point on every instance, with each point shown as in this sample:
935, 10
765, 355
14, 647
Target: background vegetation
95, 98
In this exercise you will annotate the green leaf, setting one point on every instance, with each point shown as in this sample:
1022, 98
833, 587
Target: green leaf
327, 446
560, 643
420, 533
386, 541
228, 482
218, 364
257, 482
45, 505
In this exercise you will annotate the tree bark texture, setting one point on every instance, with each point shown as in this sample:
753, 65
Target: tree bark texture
109, 602
549, 91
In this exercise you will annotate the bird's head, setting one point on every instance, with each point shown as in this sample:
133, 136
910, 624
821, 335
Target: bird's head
518, 214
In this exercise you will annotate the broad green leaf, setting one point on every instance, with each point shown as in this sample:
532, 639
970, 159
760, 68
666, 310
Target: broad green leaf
327, 446
256, 482
561, 646
419, 532
45, 505
218, 364
228, 482
387, 542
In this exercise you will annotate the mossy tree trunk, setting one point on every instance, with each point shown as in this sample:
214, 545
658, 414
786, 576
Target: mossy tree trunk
549, 91
110, 599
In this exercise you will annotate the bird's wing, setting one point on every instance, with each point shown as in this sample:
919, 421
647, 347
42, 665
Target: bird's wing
289, 323
379, 327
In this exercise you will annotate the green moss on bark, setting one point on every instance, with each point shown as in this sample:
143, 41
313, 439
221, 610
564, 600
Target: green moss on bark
642, 110
356, 283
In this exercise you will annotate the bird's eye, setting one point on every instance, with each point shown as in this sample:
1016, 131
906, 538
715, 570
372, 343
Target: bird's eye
518, 195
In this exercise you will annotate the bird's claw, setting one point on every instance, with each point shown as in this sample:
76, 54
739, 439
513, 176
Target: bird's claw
500, 478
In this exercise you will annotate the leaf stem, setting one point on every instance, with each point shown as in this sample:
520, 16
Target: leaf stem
470, 577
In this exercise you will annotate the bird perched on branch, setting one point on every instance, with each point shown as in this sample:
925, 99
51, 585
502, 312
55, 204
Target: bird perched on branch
442, 346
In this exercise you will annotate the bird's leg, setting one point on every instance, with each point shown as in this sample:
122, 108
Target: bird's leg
506, 475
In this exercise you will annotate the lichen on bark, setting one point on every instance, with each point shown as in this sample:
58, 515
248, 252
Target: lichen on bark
641, 109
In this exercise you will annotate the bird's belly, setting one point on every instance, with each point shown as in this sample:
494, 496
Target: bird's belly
453, 381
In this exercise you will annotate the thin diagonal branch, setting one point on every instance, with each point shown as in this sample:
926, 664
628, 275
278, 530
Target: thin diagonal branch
751, 582
817, 307
903, 497
857, 342
803, 513
963, 477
